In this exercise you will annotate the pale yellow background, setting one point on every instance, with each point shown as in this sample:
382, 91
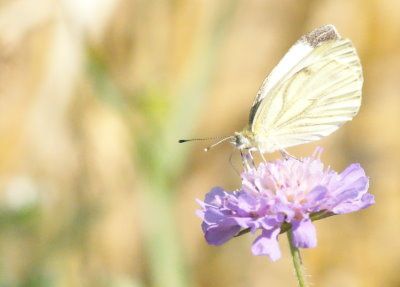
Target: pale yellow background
94, 94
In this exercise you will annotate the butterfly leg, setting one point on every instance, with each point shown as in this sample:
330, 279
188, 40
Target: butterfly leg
284, 154
252, 159
262, 156
247, 159
287, 155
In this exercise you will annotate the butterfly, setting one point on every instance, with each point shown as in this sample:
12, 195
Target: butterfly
314, 89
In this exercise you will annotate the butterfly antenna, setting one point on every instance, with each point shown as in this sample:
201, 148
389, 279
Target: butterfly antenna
218, 142
198, 139
222, 139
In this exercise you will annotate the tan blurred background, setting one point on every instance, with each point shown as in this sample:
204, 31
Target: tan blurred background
95, 190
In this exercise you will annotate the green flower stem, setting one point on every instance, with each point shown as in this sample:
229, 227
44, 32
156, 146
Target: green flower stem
298, 267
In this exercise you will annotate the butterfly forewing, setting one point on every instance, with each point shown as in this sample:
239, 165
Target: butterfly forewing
303, 47
313, 96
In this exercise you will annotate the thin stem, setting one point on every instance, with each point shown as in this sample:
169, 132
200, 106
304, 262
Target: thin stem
298, 267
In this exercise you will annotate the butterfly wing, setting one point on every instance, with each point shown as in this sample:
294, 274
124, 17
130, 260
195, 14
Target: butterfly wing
291, 62
306, 99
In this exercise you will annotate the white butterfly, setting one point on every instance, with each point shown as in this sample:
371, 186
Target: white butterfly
314, 89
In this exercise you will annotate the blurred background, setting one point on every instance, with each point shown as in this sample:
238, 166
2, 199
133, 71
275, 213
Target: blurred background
94, 94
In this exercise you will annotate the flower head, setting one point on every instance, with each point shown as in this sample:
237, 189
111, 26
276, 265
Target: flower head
279, 194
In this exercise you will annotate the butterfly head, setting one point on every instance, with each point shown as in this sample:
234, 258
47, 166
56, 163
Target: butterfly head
243, 140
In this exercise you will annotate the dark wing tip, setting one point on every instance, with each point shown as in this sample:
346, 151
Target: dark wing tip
320, 35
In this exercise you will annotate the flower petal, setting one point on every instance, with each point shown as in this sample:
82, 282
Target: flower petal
267, 244
213, 215
247, 202
214, 196
304, 234
221, 233
353, 172
317, 194
353, 177
367, 200
315, 198
351, 206
272, 221
352, 199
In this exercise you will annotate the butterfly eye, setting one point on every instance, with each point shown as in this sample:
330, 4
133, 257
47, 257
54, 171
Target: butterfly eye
240, 141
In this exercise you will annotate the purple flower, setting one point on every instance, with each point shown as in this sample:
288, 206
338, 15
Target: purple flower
281, 194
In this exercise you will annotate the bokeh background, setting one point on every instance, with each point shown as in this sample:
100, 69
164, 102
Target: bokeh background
94, 94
